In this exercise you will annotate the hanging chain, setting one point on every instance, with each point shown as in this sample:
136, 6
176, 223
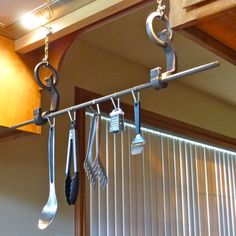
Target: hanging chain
160, 8
46, 49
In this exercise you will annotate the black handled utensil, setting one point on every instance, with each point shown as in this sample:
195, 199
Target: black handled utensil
71, 183
137, 145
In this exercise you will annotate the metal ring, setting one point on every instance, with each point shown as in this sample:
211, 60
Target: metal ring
150, 30
51, 68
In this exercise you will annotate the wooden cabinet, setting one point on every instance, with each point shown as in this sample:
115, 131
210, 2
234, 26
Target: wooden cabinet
19, 93
210, 23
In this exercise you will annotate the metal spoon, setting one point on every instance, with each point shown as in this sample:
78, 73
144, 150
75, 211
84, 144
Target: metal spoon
50, 209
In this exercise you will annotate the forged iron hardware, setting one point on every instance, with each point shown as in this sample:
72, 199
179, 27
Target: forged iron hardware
49, 85
163, 39
137, 88
156, 75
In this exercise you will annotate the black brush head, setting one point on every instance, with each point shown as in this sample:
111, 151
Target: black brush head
67, 188
74, 189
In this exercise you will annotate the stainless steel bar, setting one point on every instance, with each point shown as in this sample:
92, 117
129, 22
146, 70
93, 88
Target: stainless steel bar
124, 92
192, 71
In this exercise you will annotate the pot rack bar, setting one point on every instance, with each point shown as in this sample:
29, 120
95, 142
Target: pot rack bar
124, 92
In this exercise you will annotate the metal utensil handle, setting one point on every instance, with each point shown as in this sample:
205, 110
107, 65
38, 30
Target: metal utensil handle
91, 135
74, 148
98, 136
69, 154
74, 188
51, 153
68, 167
137, 117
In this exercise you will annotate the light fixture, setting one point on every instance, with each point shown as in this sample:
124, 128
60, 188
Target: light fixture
31, 21
38, 17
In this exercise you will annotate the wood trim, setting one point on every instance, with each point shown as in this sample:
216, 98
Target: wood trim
81, 18
210, 43
148, 118
181, 17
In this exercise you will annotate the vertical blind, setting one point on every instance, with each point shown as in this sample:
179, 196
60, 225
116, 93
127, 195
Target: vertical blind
175, 187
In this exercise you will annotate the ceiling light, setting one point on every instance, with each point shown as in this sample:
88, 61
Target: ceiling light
31, 21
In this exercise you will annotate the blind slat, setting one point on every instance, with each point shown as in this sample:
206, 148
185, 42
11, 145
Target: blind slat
175, 187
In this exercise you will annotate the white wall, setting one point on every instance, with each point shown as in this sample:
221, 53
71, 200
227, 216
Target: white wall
100, 71
23, 162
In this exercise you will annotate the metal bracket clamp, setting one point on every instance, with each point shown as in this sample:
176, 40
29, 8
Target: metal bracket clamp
163, 39
156, 82
50, 85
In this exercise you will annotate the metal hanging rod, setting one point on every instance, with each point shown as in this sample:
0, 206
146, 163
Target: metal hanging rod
125, 92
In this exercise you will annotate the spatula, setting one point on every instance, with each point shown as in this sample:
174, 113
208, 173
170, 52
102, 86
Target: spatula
137, 145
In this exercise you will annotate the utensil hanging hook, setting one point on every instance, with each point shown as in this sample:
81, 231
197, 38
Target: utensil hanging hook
48, 84
136, 99
162, 39
114, 104
51, 124
72, 119
98, 109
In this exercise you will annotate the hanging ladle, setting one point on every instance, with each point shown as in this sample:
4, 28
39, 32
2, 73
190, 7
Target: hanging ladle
50, 209
71, 183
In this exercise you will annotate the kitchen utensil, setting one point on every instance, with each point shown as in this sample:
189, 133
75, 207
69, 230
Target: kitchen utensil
71, 183
88, 159
50, 209
97, 163
137, 145
116, 118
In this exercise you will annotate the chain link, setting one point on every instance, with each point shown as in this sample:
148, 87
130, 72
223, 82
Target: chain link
160, 7
46, 49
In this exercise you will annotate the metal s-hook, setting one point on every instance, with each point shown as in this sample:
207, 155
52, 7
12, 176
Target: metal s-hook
49, 84
72, 119
162, 39
98, 109
113, 103
136, 99
51, 124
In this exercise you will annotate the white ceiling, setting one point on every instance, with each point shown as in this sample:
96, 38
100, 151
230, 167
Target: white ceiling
11, 11
127, 37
